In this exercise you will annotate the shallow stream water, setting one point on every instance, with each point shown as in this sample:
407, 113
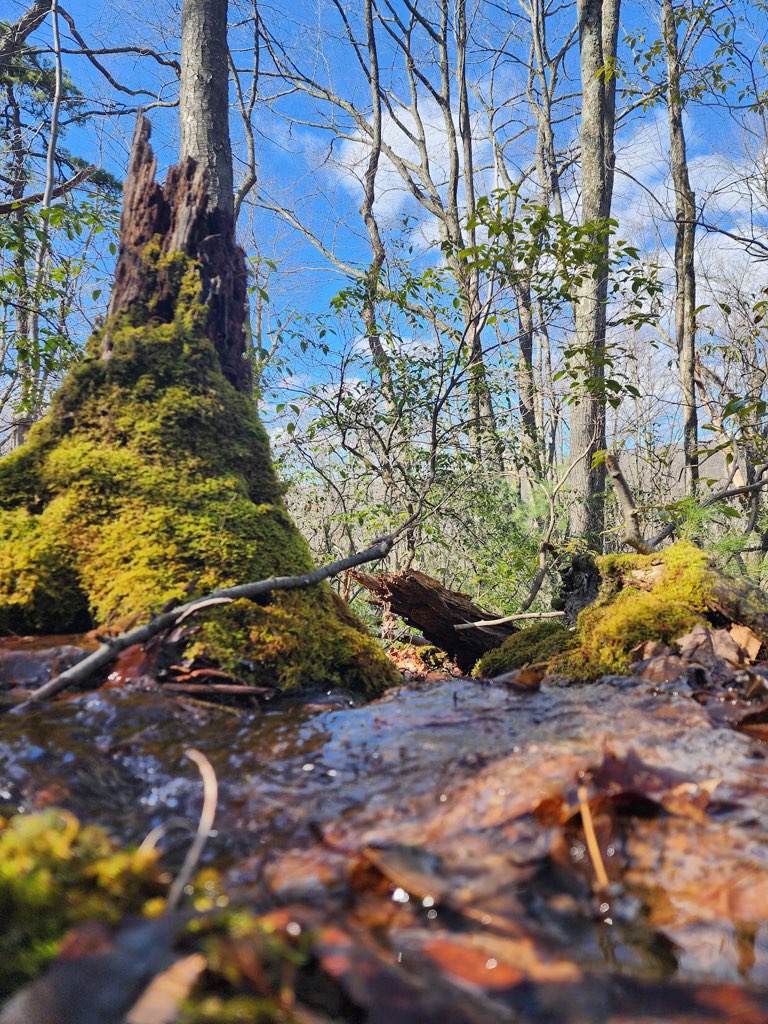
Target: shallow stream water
443, 824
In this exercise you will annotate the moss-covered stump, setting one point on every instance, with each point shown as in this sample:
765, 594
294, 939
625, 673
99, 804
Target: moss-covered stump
656, 597
150, 478
532, 645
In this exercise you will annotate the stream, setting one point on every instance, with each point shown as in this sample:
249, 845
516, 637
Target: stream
434, 840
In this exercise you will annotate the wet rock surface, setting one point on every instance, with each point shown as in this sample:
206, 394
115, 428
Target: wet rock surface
434, 842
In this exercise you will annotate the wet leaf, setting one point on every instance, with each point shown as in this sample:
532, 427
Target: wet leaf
663, 669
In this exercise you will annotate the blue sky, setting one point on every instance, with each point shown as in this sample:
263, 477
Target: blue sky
316, 173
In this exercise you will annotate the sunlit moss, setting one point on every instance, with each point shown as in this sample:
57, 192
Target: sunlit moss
643, 597
56, 873
534, 644
151, 479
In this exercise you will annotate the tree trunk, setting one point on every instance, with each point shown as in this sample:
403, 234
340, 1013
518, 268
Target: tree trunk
180, 217
204, 97
151, 479
685, 237
598, 33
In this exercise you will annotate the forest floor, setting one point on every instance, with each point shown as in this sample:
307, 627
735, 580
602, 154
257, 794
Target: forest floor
456, 851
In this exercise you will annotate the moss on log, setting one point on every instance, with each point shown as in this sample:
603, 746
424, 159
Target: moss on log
658, 597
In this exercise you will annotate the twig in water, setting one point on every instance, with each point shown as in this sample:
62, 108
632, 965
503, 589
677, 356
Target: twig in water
208, 813
152, 838
593, 848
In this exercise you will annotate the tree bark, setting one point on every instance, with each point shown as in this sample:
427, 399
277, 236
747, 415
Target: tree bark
194, 212
685, 237
204, 97
179, 216
427, 605
598, 34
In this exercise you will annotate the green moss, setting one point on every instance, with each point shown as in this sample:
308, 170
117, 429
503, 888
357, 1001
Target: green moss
151, 478
431, 656
56, 873
535, 644
297, 640
233, 942
643, 597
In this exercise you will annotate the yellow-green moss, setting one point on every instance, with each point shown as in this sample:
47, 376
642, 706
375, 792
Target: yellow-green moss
151, 478
535, 644
431, 656
642, 597
56, 873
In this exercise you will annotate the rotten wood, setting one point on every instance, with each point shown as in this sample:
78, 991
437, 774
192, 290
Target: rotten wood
179, 217
427, 605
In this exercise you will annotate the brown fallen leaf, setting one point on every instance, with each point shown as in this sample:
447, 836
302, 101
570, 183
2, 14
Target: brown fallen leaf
648, 649
748, 641
714, 650
662, 669
526, 680
161, 1001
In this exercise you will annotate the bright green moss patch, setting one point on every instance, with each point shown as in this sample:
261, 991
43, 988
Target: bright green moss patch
535, 644
151, 479
643, 597
296, 640
54, 874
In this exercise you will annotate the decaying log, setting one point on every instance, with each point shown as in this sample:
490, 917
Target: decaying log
177, 217
427, 605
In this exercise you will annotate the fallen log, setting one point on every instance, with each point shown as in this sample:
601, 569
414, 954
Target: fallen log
425, 604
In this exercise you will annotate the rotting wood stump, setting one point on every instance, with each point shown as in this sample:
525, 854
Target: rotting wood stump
427, 605
179, 218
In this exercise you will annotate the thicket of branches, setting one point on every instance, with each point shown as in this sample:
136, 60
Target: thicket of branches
489, 243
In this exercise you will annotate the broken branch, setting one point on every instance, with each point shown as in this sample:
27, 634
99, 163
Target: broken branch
109, 650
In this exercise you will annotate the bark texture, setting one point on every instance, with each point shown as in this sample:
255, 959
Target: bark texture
179, 218
685, 238
427, 605
598, 34
204, 97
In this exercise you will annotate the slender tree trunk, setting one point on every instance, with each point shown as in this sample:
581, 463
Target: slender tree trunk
22, 420
204, 97
685, 238
598, 33
531, 462
378, 253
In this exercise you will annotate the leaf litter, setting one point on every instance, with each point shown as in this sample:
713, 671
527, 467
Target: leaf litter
432, 848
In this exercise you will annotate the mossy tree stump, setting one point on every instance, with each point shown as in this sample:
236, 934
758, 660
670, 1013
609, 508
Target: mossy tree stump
151, 477
659, 597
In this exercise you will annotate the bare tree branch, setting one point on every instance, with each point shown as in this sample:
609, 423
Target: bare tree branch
109, 650
57, 192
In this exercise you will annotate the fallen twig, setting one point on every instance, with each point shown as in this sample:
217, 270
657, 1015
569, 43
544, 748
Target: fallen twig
109, 650
593, 847
208, 813
509, 618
